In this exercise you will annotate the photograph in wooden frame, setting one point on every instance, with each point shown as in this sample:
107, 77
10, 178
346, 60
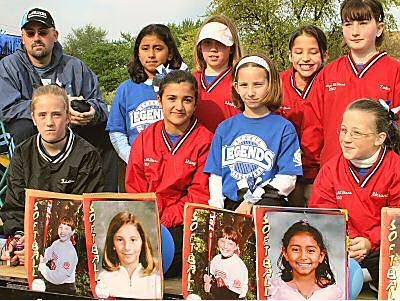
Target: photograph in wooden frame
203, 253
389, 269
55, 243
124, 231
272, 223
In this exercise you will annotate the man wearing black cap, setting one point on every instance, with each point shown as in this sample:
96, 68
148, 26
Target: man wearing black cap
40, 61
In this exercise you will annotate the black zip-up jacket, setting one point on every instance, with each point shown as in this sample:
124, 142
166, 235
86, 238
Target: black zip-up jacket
78, 171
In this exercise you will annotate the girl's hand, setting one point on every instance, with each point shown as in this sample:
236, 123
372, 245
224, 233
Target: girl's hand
21, 257
207, 283
244, 207
359, 248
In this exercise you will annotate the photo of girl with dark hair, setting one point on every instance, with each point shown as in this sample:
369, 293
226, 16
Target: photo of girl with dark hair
304, 266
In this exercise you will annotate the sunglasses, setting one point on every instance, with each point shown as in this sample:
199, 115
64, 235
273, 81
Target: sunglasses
30, 33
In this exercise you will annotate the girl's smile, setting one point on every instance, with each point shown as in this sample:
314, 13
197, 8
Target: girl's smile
303, 254
178, 103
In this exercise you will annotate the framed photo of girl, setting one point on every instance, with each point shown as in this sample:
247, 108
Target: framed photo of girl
55, 243
218, 254
299, 254
389, 278
123, 239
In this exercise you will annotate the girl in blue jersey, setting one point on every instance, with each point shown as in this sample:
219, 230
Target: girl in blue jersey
135, 104
256, 151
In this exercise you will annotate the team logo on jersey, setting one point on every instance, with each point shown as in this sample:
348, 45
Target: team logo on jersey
379, 195
145, 114
334, 86
66, 181
67, 265
341, 193
190, 162
148, 161
297, 158
384, 87
230, 103
248, 155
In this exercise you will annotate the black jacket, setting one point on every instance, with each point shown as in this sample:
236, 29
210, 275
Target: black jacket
79, 172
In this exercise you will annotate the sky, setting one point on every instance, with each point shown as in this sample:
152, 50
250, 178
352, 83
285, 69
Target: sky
114, 16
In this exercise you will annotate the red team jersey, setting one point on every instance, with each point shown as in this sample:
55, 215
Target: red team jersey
339, 185
292, 109
215, 103
339, 84
173, 172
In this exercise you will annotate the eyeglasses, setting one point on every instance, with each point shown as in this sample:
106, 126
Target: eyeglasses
30, 33
353, 133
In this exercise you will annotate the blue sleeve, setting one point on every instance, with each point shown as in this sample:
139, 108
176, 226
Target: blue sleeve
214, 159
84, 82
14, 99
121, 145
117, 119
289, 159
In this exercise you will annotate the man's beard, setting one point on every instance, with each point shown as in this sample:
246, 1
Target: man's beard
39, 54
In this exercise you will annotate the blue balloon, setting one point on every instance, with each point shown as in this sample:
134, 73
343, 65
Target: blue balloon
167, 248
356, 279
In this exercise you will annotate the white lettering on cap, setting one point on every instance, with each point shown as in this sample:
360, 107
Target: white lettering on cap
37, 13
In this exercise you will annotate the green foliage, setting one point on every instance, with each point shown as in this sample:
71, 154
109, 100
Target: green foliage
391, 44
83, 39
266, 25
108, 60
263, 25
204, 248
185, 37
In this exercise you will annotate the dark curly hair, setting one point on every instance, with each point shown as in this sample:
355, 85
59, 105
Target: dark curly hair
323, 272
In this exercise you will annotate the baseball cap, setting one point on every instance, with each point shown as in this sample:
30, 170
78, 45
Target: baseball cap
216, 31
38, 15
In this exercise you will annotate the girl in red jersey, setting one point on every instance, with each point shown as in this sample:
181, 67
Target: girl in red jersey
308, 53
363, 72
364, 178
216, 51
168, 157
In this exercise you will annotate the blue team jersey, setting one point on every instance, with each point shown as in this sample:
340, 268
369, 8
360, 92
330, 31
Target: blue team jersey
252, 148
135, 107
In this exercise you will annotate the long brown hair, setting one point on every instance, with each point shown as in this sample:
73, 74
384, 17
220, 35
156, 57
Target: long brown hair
111, 261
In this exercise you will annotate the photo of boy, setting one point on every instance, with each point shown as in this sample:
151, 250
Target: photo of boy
58, 264
228, 278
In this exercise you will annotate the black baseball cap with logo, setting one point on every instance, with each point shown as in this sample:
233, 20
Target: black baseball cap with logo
38, 15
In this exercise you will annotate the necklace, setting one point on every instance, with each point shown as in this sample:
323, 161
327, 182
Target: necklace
305, 296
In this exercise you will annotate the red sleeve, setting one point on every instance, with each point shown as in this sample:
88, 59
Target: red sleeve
394, 190
197, 192
312, 136
135, 181
394, 201
323, 194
